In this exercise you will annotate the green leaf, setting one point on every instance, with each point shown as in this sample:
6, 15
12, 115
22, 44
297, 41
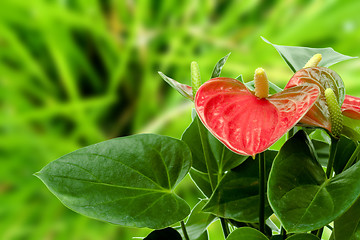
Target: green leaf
246, 233
183, 89
222, 159
201, 180
219, 65
351, 128
164, 234
273, 88
127, 181
347, 226
303, 236
198, 221
344, 150
299, 193
297, 57
322, 151
236, 196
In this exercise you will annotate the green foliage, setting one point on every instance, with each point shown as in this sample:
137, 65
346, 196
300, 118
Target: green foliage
246, 233
303, 236
299, 192
164, 234
123, 181
218, 67
348, 225
237, 195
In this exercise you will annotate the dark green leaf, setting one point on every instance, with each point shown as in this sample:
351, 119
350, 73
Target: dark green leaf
297, 57
299, 193
221, 158
351, 128
246, 233
198, 222
236, 196
183, 89
303, 236
322, 151
219, 65
273, 88
124, 181
345, 149
347, 226
164, 234
201, 180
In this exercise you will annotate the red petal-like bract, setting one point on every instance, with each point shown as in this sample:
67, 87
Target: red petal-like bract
351, 107
246, 124
318, 115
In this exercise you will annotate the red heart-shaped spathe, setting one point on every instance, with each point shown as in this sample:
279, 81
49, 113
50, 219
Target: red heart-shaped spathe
351, 107
246, 124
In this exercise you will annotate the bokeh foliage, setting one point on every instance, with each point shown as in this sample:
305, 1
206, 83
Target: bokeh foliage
76, 72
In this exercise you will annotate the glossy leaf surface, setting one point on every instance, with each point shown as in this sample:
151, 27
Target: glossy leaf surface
345, 149
237, 195
299, 192
246, 233
164, 234
246, 124
297, 57
218, 67
347, 226
183, 89
303, 236
198, 221
124, 180
324, 78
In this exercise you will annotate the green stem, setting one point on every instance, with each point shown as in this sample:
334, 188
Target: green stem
225, 227
290, 133
186, 236
320, 232
262, 184
333, 147
353, 157
203, 134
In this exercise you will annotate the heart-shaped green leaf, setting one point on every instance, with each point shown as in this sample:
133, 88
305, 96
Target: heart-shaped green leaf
237, 195
347, 226
299, 192
218, 67
246, 233
297, 57
221, 158
324, 78
245, 123
164, 234
198, 221
124, 180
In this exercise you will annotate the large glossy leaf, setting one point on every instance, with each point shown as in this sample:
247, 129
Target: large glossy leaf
183, 89
351, 128
164, 234
299, 192
303, 236
324, 78
198, 222
246, 124
218, 67
221, 158
344, 150
237, 195
246, 233
347, 226
297, 57
125, 181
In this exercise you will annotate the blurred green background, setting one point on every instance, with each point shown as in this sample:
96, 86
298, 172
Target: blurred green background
76, 72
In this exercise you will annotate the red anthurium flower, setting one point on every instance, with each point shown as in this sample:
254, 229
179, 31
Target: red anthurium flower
351, 107
245, 123
324, 78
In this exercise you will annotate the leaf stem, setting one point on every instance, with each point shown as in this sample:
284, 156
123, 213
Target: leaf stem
186, 236
262, 184
206, 153
320, 232
283, 233
352, 158
225, 227
334, 143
